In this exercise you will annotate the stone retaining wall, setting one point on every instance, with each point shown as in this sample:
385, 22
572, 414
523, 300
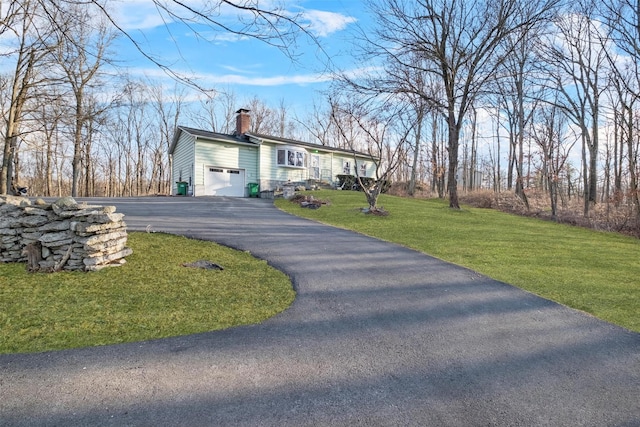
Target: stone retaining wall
65, 235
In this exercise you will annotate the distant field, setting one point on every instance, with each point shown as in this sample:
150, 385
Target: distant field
592, 271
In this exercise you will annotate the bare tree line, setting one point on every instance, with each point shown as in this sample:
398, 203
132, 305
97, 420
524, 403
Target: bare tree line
73, 123
535, 82
463, 84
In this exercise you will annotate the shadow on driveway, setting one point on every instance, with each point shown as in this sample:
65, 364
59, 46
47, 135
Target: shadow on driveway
391, 338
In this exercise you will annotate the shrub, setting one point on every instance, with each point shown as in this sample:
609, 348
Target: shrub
350, 182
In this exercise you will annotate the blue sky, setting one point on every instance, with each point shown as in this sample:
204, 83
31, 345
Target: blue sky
246, 66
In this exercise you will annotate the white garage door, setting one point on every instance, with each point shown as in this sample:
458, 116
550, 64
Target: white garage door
224, 182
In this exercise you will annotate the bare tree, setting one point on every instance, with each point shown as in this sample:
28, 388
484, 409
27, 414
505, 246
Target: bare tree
438, 154
411, 81
318, 125
81, 55
32, 48
461, 43
130, 130
366, 119
10, 14
420, 109
518, 93
49, 117
624, 133
577, 59
550, 134
270, 121
168, 114
215, 111
623, 21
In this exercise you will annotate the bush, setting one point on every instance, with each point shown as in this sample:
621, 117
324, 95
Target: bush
479, 199
350, 182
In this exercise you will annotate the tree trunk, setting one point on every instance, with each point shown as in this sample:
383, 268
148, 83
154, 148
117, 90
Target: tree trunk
77, 147
416, 153
437, 163
474, 152
452, 179
585, 178
6, 179
633, 178
520, 140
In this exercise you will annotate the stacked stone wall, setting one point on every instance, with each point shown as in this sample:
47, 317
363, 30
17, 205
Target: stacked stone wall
63, 235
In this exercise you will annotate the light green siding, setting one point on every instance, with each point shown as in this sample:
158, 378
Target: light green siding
330, 164
270, 171
339, 160
238, 156
183, 158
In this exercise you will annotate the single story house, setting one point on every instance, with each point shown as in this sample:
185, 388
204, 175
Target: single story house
214, 164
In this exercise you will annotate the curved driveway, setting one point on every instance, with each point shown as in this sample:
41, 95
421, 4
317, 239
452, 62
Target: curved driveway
379, 335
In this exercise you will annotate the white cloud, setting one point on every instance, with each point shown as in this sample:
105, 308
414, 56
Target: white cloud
237, 79
136, 14
149, 14
238, 70
323, 23
301, 79
277, 80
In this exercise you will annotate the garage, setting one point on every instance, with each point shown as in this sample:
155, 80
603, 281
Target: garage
221, 181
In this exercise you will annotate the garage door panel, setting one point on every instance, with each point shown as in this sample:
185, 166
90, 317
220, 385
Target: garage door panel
224, 182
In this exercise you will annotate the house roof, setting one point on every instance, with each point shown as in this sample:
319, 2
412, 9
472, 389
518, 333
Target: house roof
251, 138
205, 134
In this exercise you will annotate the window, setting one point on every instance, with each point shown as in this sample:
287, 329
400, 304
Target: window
346, 168
314, 169
291, 157
363, 169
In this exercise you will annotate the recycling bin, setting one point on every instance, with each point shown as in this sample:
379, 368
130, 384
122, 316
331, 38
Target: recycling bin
253, 189
182, 188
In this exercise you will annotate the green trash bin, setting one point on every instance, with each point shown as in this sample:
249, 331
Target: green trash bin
253, 189
182, 188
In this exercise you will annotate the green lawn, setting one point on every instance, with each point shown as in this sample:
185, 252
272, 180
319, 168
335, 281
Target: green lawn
152, 296
588, 270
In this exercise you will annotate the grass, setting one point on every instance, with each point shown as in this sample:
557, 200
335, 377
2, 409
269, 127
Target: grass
152, 296
592, 271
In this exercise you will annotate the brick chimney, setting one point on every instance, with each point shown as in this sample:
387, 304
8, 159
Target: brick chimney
243, 121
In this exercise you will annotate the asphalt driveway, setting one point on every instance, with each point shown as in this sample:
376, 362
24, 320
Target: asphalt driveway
379, 335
